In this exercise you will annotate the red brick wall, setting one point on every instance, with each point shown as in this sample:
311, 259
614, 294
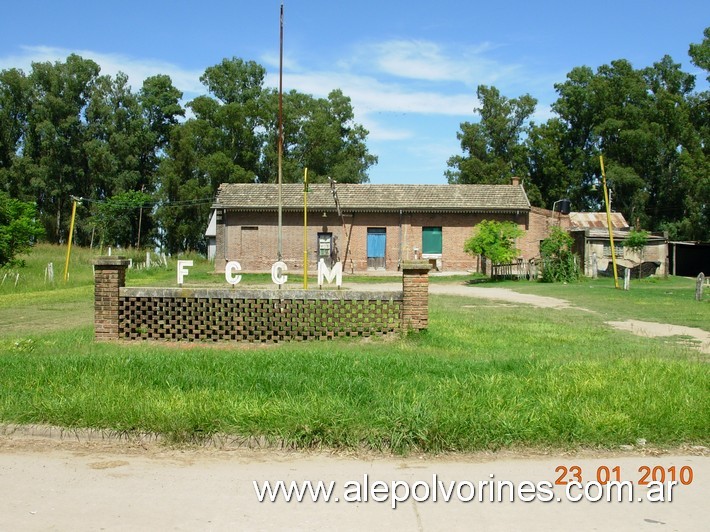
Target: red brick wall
109, 277
415, 295
256, 249
540, 222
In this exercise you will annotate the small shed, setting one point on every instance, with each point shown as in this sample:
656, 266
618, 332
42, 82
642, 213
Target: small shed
591, 236
689, 258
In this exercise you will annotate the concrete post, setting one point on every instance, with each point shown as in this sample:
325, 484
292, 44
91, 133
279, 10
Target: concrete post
699, 286
415, 288
109, 276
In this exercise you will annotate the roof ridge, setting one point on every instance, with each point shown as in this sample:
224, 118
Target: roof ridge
371, 197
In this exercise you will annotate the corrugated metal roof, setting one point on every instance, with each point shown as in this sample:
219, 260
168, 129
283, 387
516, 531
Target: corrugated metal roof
374, 198
596, 220
618, 234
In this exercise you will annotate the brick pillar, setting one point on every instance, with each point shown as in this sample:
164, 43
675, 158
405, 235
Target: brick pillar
109, 276
415, 286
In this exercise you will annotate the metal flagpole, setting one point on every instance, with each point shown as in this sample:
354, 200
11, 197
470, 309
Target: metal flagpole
281, 131
305, 229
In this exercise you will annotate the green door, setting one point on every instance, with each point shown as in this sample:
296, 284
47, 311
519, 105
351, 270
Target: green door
431, 240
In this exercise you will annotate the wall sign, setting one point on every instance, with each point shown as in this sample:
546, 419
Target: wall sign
277, 272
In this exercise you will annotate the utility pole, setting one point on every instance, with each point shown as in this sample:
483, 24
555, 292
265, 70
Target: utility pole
608, 222
140, 221
71, 236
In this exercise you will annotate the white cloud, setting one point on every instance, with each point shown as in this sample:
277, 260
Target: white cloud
415, 60
370, 95
385, 81
433, 62
379, 131
137, 69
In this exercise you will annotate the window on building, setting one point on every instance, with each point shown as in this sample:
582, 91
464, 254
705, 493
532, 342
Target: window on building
432, 242
618, 250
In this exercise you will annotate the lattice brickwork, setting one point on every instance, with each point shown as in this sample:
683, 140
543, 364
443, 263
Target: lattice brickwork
253, 319
178, 314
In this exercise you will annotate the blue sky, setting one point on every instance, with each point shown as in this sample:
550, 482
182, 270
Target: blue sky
410, 68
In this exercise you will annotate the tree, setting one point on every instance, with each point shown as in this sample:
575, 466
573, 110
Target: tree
550, 178
14, 106
126, 135
700, 53
55, 163
493, 151
319, 134
19, 228
120, 218
233, 136
495, 241
652, 131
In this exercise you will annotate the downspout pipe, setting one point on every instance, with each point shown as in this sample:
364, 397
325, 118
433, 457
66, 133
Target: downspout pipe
399, 259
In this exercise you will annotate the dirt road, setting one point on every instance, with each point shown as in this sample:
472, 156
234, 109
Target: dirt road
79, 484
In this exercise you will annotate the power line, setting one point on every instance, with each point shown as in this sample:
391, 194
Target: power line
147, 204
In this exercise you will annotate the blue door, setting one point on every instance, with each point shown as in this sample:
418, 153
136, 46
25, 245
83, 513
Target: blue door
376, 244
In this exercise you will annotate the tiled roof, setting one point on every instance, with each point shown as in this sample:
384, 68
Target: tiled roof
596, 220
376, 198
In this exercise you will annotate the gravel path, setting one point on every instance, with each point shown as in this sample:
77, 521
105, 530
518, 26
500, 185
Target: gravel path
697, 338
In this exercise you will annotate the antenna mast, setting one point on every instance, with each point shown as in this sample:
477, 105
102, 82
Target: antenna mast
281, 131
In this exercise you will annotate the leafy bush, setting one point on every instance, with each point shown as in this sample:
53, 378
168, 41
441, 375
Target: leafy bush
495, 241
636, 241
559, 264
19, 228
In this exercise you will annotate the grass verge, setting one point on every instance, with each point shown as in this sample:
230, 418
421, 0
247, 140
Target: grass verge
482, 377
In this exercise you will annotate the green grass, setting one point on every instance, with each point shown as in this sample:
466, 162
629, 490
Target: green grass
665, 300
32, 275
482, 377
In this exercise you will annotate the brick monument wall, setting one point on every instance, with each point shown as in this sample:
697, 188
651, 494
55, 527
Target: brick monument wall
253, 315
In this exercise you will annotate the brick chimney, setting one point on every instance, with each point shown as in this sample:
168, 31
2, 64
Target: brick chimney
515, 181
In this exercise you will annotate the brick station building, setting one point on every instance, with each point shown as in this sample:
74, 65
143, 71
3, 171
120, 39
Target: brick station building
368, 227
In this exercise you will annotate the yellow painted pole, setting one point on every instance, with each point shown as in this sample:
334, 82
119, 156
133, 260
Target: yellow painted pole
71, 235
305, 229
608, 222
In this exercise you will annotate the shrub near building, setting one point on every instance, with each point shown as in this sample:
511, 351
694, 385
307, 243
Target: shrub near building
495, 241
559, 264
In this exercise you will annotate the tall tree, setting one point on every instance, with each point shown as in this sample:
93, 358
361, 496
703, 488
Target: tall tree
641, 120
493, 149
14, 107
550, 178
53, 147
232, 138
700, 53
